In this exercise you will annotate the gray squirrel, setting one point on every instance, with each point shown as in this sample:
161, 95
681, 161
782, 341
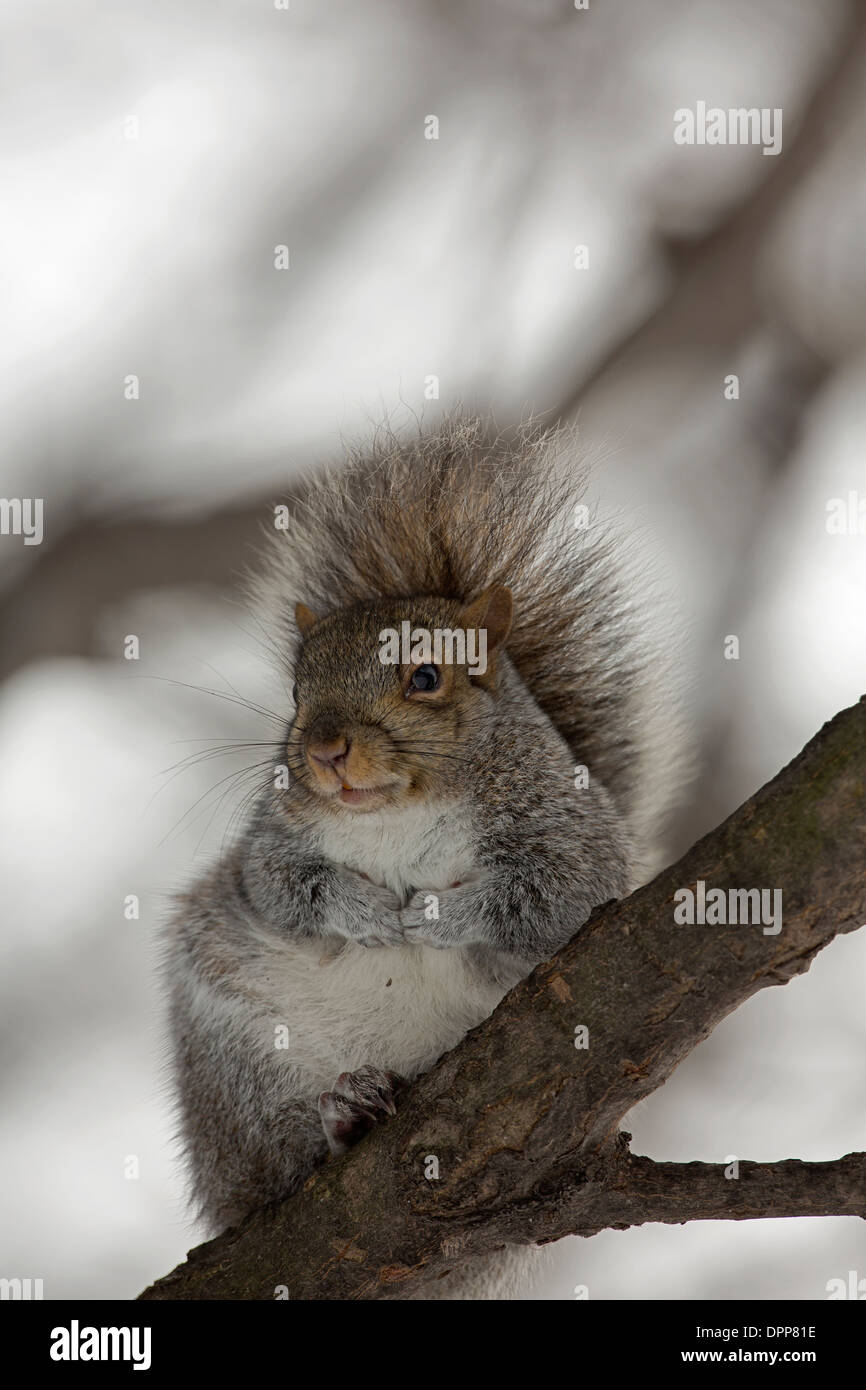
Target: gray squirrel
442, 827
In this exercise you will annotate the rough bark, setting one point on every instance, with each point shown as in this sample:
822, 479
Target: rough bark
524, 1125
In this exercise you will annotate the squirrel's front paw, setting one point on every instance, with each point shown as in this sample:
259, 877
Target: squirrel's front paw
371, 913
359, 1099
442, 920
382, 933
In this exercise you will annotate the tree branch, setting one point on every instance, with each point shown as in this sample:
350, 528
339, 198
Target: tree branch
674, 1193
524, 1124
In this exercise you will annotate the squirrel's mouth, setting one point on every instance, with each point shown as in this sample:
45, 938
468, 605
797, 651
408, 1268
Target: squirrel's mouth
359, 777
361, 796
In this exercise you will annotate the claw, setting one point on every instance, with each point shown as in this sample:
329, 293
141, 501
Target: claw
358, 1100
387, 1102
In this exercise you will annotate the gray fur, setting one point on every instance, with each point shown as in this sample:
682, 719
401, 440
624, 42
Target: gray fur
319, 918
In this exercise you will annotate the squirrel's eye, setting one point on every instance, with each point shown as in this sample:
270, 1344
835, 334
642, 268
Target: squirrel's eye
425, 678
295, 694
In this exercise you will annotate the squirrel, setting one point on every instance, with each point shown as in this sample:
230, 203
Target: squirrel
443, 826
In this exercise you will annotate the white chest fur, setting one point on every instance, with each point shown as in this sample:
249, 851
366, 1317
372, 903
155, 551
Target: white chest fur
399, 1007
405, 850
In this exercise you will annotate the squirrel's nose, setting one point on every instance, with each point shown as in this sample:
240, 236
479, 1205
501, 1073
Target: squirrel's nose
330, 752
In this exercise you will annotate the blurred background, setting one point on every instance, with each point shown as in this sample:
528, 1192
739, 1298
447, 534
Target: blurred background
153, 157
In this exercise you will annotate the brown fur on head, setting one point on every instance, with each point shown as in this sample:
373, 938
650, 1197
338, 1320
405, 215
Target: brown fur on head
368, 732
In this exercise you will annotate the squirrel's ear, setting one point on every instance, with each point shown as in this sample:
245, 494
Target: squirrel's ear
305, 618
492, 610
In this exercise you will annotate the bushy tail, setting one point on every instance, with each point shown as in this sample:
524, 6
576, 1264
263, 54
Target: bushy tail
450, 512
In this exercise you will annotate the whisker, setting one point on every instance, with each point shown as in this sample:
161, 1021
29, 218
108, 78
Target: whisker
206, 755
239, 772
221, 695
254, 792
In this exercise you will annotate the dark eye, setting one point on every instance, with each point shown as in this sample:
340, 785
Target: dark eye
425, 678
295, 694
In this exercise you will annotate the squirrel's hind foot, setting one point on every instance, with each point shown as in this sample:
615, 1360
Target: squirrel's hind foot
358, 1101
